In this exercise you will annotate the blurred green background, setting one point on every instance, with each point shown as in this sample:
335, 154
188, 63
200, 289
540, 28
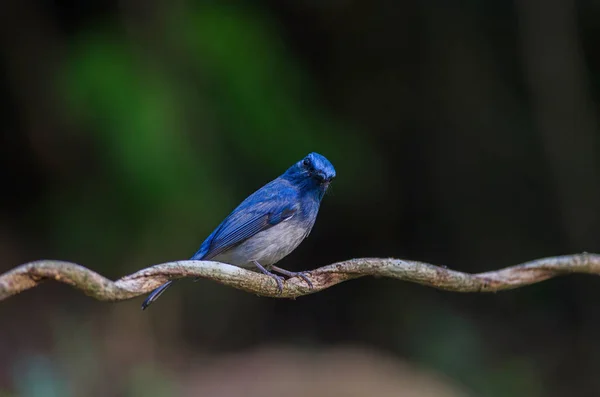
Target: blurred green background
463, 134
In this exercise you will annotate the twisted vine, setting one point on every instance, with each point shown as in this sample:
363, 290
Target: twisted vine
30, 275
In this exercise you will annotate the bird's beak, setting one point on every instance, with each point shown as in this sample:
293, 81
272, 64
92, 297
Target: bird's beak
325, 182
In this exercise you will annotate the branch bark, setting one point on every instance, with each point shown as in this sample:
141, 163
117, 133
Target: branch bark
31, 274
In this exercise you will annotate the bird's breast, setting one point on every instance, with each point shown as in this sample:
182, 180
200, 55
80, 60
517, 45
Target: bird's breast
269, 246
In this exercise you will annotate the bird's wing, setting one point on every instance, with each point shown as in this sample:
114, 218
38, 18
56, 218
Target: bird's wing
259, 212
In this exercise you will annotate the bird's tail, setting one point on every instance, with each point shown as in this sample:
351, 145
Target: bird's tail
154, 295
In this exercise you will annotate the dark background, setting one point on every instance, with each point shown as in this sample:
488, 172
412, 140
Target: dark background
463, 133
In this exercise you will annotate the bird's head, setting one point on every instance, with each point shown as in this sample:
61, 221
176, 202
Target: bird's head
313, 171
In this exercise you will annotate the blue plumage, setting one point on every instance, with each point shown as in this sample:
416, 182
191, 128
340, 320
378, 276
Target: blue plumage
270, 223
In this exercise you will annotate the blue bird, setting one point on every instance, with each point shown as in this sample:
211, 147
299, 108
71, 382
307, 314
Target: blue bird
270, 223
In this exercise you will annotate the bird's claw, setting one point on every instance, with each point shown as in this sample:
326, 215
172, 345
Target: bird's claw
302, 275
279, 280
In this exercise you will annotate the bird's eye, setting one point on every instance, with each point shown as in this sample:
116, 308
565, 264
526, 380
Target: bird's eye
306, 162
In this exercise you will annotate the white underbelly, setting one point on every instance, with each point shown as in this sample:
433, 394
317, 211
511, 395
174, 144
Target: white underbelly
267, 247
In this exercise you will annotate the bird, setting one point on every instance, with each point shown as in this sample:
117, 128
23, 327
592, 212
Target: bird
269, 224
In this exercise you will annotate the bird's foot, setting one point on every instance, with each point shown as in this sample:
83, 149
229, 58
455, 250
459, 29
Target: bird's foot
302, 275
278, 279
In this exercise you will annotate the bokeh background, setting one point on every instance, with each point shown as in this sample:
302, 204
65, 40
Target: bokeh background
464, 133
